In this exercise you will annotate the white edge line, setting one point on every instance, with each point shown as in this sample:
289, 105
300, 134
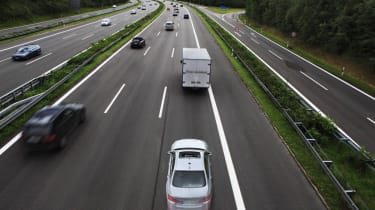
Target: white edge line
316, 82
227, 156
38, 59
147, 51
162, 102
274, 54
5, 59
329, 73
172, 53
114, 99
371, 120
228, 159
290, 85
17, 136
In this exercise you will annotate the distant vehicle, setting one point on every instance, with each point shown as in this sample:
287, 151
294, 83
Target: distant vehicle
186, 16
114, 6
138, 42
168, 9
139, 7
143, 7
26, 52
174, 5
49, 127
181, 5
189, 179
133, 12
169, 25
150, 4
106, 22
176, 10
175, 14
196, 68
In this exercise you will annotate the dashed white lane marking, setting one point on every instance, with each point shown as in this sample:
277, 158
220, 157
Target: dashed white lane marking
5, 59
148, 49
38, 59
88, 36
176, 34
253, 34
252, 39
242, 32
172, 53
238, 34
274, 54
162, 102
316, 82
371, 120
69, 36
158, 33
114, 99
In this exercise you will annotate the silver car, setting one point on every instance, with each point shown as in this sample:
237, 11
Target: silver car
189, 181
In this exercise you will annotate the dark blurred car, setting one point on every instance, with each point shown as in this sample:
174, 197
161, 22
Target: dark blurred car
175, 14
138, 42
186, 16
27, 52
49, 127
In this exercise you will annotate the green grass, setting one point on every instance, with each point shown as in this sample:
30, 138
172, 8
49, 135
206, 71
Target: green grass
67, 25
16, 126
321, 62
224, 11
341, 154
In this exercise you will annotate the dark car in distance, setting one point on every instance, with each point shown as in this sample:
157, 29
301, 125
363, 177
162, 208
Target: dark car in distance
138, 42
26, 52
49, 127
186, 16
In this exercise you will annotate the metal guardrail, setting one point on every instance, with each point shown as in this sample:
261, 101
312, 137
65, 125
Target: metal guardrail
301, 130
26, 29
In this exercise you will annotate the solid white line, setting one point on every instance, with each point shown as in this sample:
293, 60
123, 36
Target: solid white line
86, 37
313, 80
227, 156
222, 17
369, 119
69, 36
172, 53
10, 143
38, 59
162, 102
195, 33
5, 59
275, 55
176, 34
228, 159
254, 40
238, 34
286, 82
158, 33
146, 51
114, 99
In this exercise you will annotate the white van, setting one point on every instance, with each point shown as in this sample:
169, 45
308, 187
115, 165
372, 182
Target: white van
196, 68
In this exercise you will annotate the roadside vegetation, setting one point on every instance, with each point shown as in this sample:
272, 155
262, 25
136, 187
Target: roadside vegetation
117, 40
349, 166
225, 10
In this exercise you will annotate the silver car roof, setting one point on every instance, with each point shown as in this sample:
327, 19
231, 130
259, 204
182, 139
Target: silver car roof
190, 163
189, 144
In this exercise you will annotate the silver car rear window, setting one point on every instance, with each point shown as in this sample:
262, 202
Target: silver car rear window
189, 179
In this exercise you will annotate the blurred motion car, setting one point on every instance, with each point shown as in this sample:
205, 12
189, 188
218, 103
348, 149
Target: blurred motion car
26, 52
133, 12
189, 181
138, 42
106, 22
186, 16
49, 127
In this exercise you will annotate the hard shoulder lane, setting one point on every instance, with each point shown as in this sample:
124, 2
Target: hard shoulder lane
63, 45
348, 107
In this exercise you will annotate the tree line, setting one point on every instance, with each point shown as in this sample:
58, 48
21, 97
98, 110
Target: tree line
343, 27
13, 10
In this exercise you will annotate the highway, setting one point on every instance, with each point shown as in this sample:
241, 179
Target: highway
118, 158
58, 46
351, 109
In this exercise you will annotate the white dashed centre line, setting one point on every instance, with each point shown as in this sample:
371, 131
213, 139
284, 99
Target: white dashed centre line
69, 36
238, 34
148, 49
371, 120
254, 40
86, 37
274, 54
38, 59
176, 34
162, 102
253, 34
320, 85
114, 99
5, 59
158, 33
172, 53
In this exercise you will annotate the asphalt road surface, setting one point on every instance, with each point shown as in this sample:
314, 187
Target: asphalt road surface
118, 158
351, 109
58, 46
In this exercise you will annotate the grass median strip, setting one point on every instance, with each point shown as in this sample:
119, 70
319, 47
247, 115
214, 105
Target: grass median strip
128, 32
349, 166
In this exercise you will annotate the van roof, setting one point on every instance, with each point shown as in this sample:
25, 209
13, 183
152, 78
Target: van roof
195, 53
